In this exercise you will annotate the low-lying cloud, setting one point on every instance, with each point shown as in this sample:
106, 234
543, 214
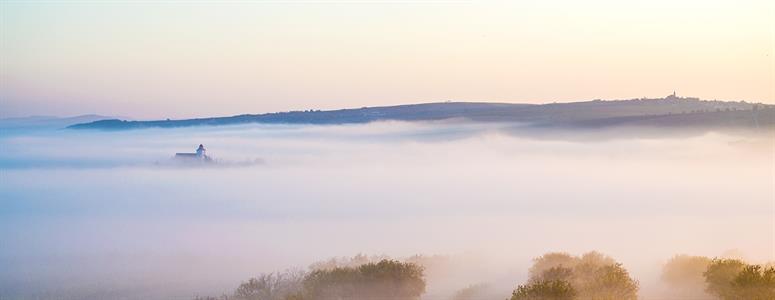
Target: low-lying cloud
98, 213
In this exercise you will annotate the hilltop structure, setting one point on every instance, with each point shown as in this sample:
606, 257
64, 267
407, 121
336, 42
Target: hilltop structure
200, 155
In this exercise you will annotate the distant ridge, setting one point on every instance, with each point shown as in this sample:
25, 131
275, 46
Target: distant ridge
38, 122
668, 111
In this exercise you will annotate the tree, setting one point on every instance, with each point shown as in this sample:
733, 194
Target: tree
224, 297
684, 275
732, 279
272, 286
611, 282
474, 292
720, 274
383, 280
545, 290
591, 276
343, 262
755, 283
551, 260
556, 273
685, 271
387, 279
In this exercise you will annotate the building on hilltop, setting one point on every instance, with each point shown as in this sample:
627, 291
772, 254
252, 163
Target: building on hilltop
200, 155
675, 96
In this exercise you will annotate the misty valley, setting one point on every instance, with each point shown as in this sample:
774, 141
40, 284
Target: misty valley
441, 209
387, 150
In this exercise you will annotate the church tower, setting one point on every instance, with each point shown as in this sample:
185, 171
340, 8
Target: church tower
201, 152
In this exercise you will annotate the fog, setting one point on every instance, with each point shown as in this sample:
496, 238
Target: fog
104, 214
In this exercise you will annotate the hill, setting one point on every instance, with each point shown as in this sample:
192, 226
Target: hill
668, 111
47, 122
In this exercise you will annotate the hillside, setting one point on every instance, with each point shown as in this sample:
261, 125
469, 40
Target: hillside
668, 111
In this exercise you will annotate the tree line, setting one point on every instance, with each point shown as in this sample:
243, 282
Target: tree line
701, 277
552, 276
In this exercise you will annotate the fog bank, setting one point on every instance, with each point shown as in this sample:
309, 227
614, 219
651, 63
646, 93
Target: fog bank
94, 214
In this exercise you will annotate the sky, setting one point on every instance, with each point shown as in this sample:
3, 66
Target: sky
180, 59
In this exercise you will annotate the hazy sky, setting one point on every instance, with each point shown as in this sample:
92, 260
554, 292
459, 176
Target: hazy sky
179, 59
